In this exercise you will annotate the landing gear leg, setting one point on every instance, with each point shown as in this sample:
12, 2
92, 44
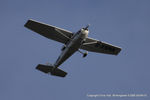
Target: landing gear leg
84, 54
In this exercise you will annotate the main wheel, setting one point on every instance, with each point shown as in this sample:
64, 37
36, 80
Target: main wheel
85, 54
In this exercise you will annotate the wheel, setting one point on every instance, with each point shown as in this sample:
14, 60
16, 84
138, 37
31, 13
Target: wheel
85, 54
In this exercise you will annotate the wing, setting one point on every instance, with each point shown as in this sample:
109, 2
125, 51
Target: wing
49, 31
100, 47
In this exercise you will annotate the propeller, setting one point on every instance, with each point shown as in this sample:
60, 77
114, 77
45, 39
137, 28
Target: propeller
86, 28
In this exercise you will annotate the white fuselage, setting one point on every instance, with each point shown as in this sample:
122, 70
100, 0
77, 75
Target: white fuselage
72, 46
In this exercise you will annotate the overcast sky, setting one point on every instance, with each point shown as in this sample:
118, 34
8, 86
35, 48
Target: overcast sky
124, 23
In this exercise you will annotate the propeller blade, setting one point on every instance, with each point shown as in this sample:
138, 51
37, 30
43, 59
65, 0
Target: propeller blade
87, 27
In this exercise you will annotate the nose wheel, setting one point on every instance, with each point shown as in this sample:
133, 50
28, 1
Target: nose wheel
84, 54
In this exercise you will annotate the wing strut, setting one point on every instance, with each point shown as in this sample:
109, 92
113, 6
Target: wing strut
89, 43
62, 34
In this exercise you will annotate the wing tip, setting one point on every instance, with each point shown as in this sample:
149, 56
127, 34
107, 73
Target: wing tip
27, 23
118, 51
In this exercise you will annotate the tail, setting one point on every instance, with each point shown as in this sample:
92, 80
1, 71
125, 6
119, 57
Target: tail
51, 69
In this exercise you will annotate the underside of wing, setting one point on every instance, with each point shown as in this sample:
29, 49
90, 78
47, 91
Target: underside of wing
49, 31
94, 45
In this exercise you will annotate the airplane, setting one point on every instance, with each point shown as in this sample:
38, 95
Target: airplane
72, 42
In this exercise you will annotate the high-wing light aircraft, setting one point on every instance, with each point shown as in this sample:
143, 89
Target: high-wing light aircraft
72, 42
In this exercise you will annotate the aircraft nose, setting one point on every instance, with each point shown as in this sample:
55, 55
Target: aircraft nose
84, 31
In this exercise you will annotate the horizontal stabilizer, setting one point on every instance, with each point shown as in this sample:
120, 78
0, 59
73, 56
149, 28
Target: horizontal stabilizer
52, 70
